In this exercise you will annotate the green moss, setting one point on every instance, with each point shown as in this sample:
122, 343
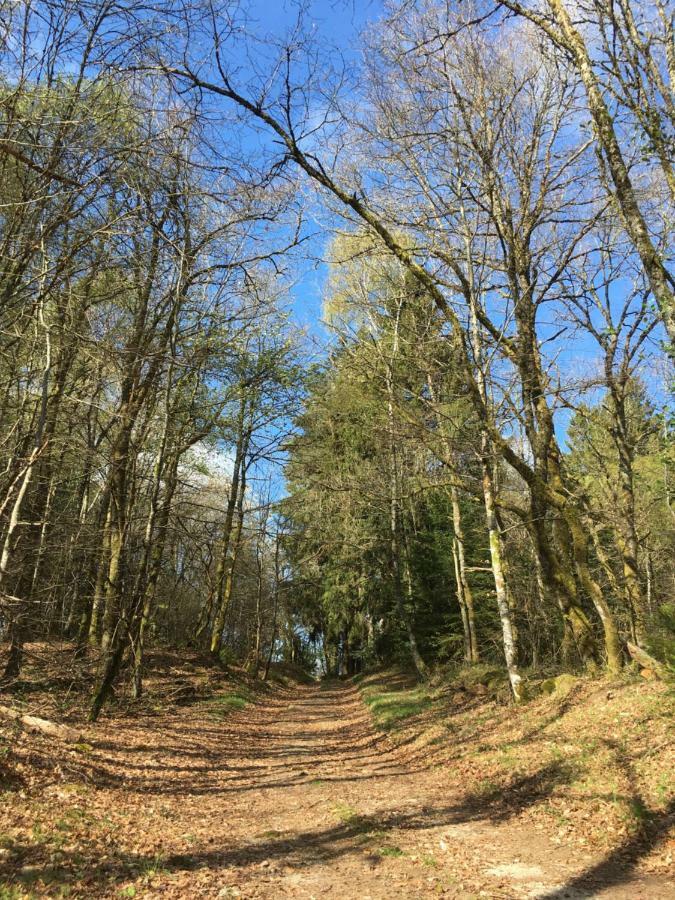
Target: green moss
561, 686
83, 748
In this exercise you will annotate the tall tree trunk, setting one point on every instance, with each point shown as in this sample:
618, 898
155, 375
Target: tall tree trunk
626, 533
146, 604
613, 648
277, 577
420, 665
93, 615
257, 641
578, 643
508, 639
395, 525
464, 591
18, 623
489, 500
216, 600
115, 630
219, 623
153, 543
462, 605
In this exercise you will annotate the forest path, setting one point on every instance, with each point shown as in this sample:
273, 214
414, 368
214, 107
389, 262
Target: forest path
301, 797
298, 796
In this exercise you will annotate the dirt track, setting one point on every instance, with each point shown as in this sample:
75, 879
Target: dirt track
297, 796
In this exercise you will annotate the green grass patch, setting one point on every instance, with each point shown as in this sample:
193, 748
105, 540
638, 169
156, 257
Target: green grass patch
233, 701
350, 816
221, 705
149, 868
390, 851
357, 822
486, 787
366, 830
664, 788
389, 708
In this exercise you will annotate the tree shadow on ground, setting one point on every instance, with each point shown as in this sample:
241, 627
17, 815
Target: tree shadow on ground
301, 849
223, 756
651, 828
618, 866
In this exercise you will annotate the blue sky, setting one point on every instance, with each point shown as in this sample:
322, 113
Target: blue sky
337, 19
338, 23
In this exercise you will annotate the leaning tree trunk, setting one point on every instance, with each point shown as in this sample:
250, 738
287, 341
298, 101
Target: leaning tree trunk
90, 624
17, 629
624, 195
563, 32
115, 616
18, 624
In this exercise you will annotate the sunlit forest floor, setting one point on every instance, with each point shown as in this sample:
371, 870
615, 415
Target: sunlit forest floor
213, 786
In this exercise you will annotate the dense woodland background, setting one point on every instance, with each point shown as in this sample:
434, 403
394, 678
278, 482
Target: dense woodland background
471, 461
